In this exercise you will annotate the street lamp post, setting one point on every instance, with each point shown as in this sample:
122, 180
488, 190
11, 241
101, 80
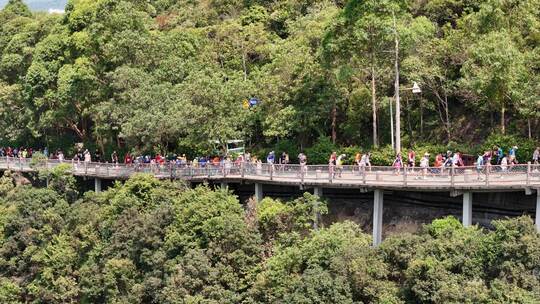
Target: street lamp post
415, 89
398, 103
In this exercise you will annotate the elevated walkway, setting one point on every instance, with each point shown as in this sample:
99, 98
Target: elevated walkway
455, 180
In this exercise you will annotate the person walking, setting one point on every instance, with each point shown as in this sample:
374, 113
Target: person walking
504, 164
270, 160
448, 161
128, 160
456, 159
368, 160
284, 160
411, 159
80, 155
438, 161
398, 163
536, 156
227, 165
97, 156
480, 166
487, 161
339, 164
357, 160
512, 156
498, 153
302, 159
424, 164
114, 158
332, 164
60, 156
87, 156
362, 163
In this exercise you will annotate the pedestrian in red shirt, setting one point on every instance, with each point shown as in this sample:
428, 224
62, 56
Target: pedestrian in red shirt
128, 159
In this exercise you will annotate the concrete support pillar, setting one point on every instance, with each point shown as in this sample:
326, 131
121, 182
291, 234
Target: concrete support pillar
258, 192
318, 191
378, 198
224, 185
97, 184
537, 219
467, 209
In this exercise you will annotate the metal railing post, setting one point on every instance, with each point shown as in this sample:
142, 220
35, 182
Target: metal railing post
405, 176
488, 171
363, 175
271, 171
20, 164
242, 168
528, 174
7, 162
452, 174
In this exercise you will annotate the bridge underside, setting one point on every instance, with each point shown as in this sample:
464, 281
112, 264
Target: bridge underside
380, 186
384, 205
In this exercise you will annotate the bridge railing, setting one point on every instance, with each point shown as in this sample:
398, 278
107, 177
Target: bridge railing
515, 175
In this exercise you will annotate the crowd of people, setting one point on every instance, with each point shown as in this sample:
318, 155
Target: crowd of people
442, 161
493, 157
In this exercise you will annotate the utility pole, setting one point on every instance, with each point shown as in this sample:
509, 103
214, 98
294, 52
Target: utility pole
396, 88
392, 124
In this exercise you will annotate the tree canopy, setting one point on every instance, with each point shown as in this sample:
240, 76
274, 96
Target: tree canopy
151, 241
173, 75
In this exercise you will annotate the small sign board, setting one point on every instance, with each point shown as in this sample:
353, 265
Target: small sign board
253, 102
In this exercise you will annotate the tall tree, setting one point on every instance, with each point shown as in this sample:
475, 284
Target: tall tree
493, 71
361, 38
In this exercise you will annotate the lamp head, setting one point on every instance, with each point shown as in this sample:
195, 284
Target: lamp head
416, 88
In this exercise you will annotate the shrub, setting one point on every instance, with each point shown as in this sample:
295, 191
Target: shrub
350, 153
320, 151
443, 226
506, 142
288, 146
61, 180
383, 156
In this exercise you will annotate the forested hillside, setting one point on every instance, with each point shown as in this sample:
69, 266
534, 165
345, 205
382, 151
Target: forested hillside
148, 241
173, 75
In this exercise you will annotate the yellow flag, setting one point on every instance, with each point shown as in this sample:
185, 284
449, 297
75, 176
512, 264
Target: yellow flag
245, 104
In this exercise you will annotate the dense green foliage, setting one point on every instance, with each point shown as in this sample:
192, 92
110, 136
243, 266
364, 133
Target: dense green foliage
172, 75
147, 241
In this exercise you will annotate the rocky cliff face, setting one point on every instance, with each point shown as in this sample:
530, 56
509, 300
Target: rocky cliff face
407, 211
